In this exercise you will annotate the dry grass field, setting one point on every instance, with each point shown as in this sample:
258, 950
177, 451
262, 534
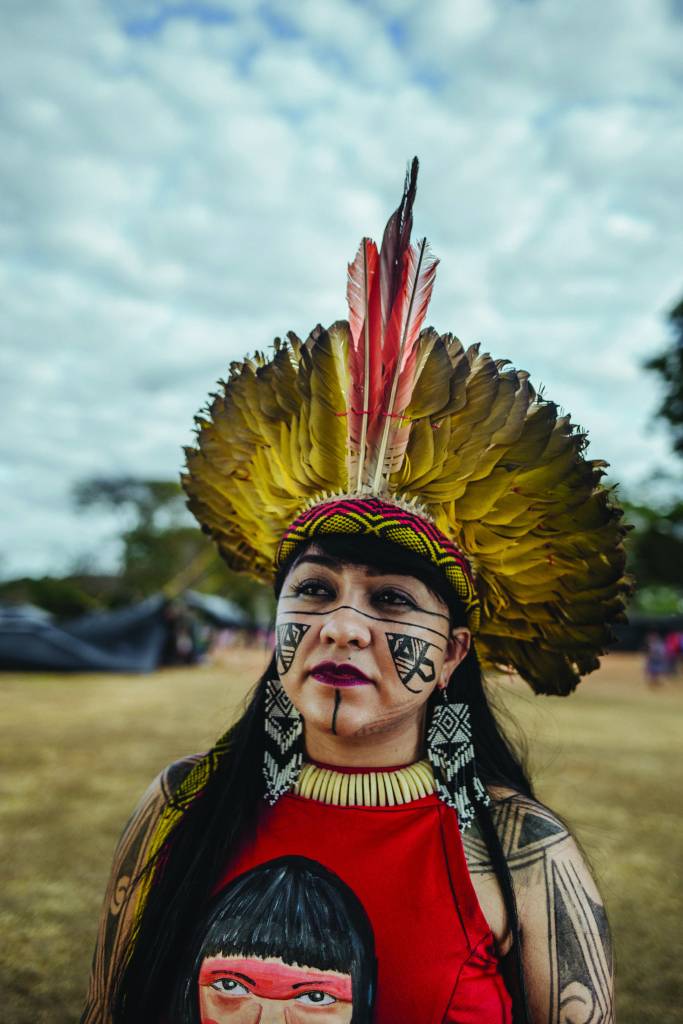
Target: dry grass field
78, 751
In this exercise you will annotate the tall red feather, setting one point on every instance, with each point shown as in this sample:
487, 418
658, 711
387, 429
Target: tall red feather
407, 319
388, 295
399, 355
365, 351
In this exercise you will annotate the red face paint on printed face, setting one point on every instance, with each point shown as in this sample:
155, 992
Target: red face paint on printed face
249, 990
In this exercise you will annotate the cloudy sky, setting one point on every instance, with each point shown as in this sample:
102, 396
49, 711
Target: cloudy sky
183, 181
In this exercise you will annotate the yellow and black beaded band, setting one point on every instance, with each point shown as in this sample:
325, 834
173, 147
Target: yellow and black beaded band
373, 517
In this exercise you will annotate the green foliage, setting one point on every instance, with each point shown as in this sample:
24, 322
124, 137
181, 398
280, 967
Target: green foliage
148, 500
655, 547
656, 600
669, 365
655, 555
64, 598
162, 548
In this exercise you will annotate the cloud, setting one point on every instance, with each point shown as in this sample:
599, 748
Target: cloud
182, 182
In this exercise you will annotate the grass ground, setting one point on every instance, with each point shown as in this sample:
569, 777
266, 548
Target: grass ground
80, 749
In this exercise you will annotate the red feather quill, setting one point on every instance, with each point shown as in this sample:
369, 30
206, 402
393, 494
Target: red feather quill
365, 352
399, 356
388, 295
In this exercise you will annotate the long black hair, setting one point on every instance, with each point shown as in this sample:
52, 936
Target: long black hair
195, 855
292, 908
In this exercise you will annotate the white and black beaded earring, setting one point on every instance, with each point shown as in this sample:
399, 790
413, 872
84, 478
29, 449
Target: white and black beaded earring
284, 748
451, 754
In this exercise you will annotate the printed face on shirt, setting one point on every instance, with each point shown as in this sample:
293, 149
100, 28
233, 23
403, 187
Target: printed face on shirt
358, 651
250, 990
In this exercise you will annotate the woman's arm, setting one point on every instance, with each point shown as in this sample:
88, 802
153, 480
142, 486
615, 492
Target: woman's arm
566, 947
119, 903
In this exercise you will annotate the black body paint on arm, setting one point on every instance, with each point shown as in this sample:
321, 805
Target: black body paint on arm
583, 959
562, 916
118, 914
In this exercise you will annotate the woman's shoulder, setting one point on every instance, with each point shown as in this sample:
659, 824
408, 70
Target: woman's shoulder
562, 916
546, 863
137, 833
170, 778
526, 827
130, 858
529, 832
160, 791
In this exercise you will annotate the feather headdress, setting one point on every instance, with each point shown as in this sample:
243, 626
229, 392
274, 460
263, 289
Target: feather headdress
380, 408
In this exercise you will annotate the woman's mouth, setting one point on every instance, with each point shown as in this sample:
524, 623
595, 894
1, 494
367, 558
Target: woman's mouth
332, 674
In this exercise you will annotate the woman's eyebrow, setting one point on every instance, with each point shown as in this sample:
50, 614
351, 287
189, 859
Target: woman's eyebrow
336, 563
327, 560
222, 971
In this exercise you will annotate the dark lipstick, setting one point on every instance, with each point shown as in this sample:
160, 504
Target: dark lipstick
333, 674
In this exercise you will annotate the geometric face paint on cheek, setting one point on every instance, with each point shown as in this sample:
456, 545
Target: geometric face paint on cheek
288, 637
409, 655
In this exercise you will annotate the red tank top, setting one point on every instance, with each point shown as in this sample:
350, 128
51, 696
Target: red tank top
435, 950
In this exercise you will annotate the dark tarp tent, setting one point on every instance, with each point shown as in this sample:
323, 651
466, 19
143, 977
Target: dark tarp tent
126, 640
217, 610
139, 638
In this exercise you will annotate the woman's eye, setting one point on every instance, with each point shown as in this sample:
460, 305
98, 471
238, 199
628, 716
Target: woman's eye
316, 999
230, 987
394, 598
312, 588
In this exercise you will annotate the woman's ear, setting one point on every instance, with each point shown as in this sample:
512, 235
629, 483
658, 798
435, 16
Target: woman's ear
456, 650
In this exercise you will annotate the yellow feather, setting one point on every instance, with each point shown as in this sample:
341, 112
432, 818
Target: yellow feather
499, 470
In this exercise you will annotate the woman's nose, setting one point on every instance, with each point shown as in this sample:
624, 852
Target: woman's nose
273, 1011
251, 1013
346, 626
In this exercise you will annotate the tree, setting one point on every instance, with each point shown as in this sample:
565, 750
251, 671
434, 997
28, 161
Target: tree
655, 555
147, 500
157, 539
669, 365
162, 548
64, 598
655, 547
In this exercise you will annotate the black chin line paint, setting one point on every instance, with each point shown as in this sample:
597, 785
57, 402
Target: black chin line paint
337, 702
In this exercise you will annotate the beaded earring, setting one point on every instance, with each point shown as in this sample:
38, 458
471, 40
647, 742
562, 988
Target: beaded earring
283, 755
451, 754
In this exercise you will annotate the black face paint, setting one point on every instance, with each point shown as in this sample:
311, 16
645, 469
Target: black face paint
288, 637
337, 703
375, 618
415, 608
410, 658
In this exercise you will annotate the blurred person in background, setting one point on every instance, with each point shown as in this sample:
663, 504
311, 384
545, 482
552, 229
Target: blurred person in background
673, 644
656, 658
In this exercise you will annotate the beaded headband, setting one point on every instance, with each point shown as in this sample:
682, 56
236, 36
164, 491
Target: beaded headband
372, 517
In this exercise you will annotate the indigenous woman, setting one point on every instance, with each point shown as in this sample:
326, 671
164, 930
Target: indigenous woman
422, 512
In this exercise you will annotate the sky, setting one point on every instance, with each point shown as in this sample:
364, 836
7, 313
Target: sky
182, 182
